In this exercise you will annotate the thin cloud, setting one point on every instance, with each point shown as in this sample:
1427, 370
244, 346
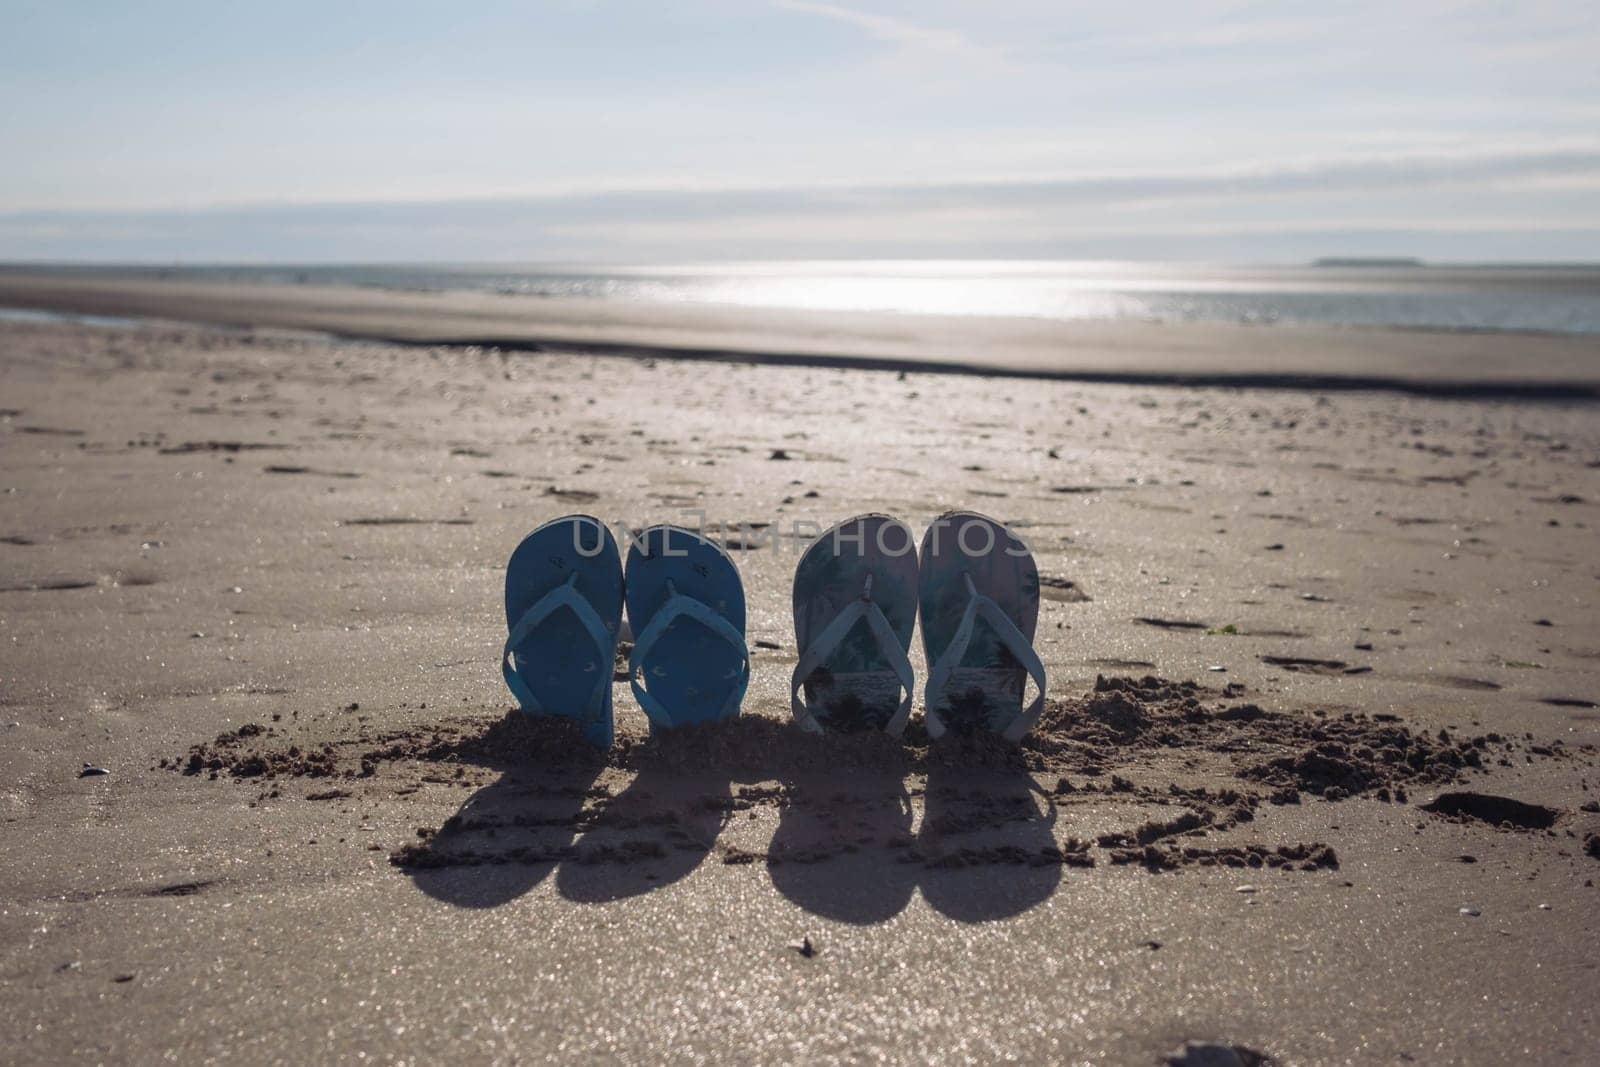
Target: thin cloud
889, 30
1231, 34
988, 218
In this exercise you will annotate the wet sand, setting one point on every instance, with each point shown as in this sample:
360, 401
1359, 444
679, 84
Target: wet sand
257, 578
1141, 353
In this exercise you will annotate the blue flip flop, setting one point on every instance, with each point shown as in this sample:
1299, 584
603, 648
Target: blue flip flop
979, 607
564, 611
690, 663
855, 605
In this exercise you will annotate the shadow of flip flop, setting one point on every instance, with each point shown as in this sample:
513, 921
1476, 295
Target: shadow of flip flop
505, 840
842, 851
988, 850
655, 832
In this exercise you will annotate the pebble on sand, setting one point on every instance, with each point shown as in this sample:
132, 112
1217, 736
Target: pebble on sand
1207, 1054
92, 771
804, 947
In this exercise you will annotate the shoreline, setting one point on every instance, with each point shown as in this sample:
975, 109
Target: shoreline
1421, 362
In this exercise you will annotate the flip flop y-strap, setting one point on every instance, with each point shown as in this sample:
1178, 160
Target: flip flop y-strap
563, 596
829, 639
681, 606
980, 606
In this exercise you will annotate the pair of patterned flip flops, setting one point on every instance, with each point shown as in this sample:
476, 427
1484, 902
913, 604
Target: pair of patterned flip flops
858, 593
684, 602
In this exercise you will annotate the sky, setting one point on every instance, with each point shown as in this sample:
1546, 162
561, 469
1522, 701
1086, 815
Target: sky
623, 131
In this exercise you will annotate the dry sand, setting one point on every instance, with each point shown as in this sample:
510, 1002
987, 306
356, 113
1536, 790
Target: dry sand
258, 580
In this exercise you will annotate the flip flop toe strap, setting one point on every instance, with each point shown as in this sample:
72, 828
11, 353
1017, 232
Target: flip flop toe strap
981, 607
829, 640
679, 606
564, 596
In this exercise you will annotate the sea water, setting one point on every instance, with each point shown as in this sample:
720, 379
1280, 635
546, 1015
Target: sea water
1545, 298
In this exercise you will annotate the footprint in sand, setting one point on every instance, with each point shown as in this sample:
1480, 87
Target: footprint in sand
1062, 590
1307, 665
576, 496
48, 585
52, 431
219, 446
285, 469
1456, 681
1501, 812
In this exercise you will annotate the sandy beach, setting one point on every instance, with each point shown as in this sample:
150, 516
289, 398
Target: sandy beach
1318, 776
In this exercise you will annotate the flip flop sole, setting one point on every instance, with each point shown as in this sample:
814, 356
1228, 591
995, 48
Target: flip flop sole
558, 661
986, 687
691, 671
855, 688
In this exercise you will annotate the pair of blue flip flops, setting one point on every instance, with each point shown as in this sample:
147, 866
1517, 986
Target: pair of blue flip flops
565, 598
858, 593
